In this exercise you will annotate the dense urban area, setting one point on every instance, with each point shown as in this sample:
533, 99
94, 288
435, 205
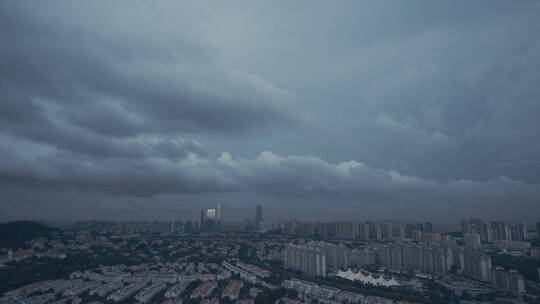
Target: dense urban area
212, 261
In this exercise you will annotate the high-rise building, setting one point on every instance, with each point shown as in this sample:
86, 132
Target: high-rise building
538, 230
415, 257
258, 214
472, 241
202, 219
386, 231
375, 231
363, 231
428, 227
440, 264
486, 235
398, 232
384, 256
501, 231
188, 227
477, 265
289, 227
458, 258
211, 218
428, 260
310, 261
326, 230
305, 228
396, 253
358, 258
258, 219
346, 230
418, 235
219, 213
177, 227
408, 257
483, 228
519, 232
336, 255
465, 228
510, 280
412, 226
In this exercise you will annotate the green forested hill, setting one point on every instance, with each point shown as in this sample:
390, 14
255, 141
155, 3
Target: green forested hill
13, 234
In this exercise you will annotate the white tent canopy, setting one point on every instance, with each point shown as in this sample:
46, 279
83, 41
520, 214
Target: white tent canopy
380, 281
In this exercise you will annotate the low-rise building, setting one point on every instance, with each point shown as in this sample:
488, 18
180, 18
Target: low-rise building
145, 295
204, 289
232, 290
175, 290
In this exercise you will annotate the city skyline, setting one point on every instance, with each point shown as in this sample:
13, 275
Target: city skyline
270, 152
250, 214
354, 110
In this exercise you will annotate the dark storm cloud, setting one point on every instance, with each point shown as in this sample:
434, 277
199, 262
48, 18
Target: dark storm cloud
283, 180
464, 113
368, 109
119, 84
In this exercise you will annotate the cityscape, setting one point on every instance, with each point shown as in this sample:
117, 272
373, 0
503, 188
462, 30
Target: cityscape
213, 260
270, 152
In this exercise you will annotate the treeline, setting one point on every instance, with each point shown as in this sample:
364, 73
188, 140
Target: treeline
15, 234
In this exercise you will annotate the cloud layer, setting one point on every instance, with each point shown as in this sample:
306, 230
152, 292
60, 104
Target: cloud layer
360, 111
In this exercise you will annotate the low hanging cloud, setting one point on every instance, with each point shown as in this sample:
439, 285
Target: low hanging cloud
269, 175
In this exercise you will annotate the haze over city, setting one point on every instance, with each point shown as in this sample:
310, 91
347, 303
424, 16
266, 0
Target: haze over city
410, 110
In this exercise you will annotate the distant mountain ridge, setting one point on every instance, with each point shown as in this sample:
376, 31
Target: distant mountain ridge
14, 234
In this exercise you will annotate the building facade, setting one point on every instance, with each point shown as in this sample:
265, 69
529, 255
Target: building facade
310, 261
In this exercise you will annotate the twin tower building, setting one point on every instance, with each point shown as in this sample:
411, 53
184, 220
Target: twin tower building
212, 218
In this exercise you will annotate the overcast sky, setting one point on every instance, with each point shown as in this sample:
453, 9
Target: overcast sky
313, 109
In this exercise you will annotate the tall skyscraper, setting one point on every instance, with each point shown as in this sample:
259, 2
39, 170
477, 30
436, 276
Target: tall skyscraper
538, 235
211, 218
202, 219
258, 214
465, 227
219, 213
428, 227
